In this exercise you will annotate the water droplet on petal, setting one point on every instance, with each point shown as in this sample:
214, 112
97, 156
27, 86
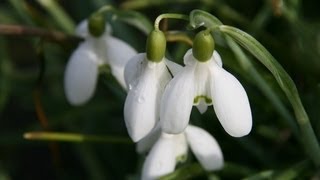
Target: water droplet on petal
141, 99
130, 86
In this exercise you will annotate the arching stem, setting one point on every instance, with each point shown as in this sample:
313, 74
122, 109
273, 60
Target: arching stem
169, 16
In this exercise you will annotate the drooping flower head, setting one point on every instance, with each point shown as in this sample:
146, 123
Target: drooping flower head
168, 149
204, 82
82, 70
146, 75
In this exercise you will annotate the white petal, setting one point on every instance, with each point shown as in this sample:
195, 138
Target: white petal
173, 67
147, 142
202, 90
135, 66
217, 58
82, 29
118, 53
161, 159
81, 75
231, 103
180, 143
141, 110
202, 85
177, 102
188, 58
181, 147
202, 78
133, 69
205, 148
202, 106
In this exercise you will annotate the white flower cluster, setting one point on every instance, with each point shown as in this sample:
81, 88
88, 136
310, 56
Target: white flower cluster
82, 69
160, 98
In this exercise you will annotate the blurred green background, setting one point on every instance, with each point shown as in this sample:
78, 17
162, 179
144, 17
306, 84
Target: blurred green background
31, 83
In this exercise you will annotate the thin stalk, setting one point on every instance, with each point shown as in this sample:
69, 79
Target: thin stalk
59, 15
18, 30
20, 8
91, 161
169, 16
173, 36
74, 137
5, 81
260, 20
139, 4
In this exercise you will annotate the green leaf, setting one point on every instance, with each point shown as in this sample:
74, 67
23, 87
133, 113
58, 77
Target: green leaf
286, 84
231, 169
20, 7
262, 84
59, 15
7, 16
135, 19
201, 18
5, 68
294, 171
185, 172
261, 175
290, 173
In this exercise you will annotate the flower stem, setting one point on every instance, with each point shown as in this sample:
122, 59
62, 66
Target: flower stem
171, 16
55, 36
58, 14
74, 137
173, 36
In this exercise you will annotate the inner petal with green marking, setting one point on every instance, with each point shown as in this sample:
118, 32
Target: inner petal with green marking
206, 99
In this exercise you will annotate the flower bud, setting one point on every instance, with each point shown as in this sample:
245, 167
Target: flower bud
97, 24
203, 46
156, 46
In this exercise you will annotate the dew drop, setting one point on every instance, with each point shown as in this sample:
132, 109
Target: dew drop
130, 86
141, 99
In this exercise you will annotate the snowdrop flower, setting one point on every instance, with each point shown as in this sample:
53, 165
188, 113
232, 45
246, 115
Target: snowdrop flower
82, 70
146, 75
169, 148
204, 82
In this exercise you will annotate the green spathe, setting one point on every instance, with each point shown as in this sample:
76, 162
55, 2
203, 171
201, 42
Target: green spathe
156, 46
97, 24
203, 46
